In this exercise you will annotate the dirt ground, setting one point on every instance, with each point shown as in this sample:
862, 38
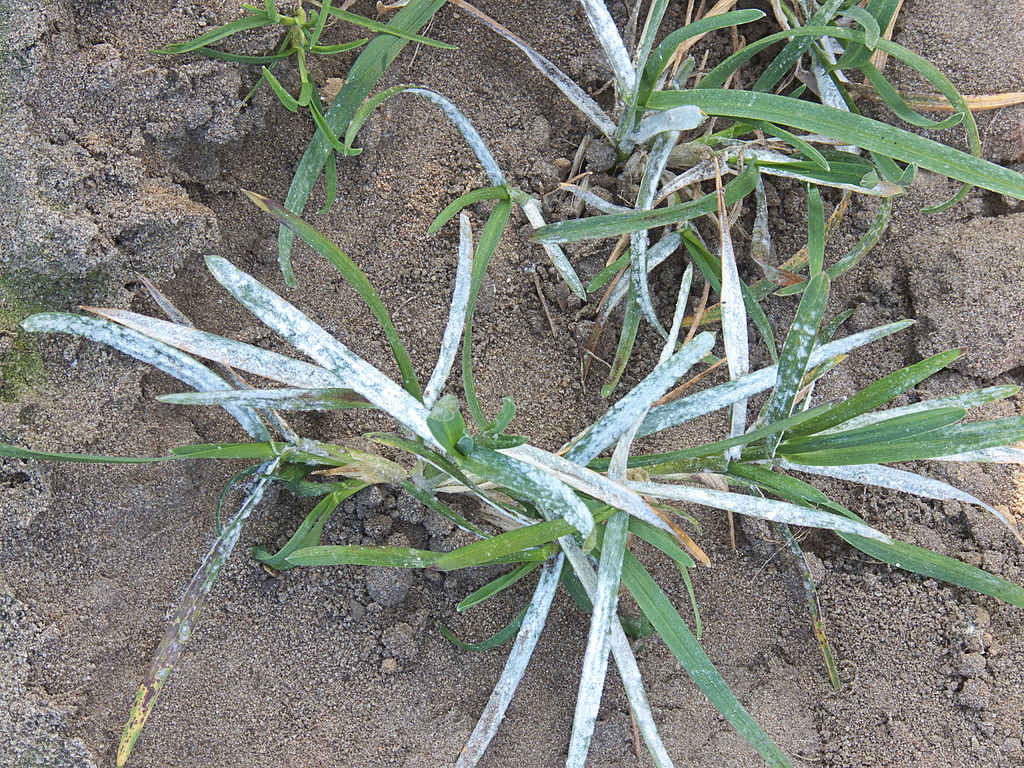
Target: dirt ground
115, 161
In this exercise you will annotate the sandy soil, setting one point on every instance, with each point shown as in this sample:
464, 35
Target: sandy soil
116, 161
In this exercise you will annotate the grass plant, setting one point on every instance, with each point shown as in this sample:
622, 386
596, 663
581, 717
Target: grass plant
568, 514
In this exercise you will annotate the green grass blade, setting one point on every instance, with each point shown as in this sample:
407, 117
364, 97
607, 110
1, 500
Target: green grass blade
389, 29
497, 585
613, 225
309, 532
362, 77
435, 504
471, 197
684, 646
327, 50
353, 554
795, 48
353, 274
966, 400
690, 407
496, 640
852, 129
217, 34
796, 351
489, 239
879, 393
888, 430
14, 452
934, 444
238, 58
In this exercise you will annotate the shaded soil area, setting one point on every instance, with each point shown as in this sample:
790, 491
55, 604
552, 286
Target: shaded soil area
116, 162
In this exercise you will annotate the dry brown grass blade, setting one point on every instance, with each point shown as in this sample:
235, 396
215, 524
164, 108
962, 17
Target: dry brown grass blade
681, 535
935, 102
722, 6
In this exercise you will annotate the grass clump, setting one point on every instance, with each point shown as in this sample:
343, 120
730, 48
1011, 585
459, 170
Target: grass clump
568, 514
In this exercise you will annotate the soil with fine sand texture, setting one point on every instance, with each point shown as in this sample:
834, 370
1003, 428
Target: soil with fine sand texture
117, 162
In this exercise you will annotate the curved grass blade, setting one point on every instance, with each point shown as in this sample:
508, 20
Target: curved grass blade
151, 352
638, 269
795, 48
608, 36
189, 606
515, 666
353, 274
660, 56
456, 205
309, 532
362, 77
352, 371
455, 328
496, 640
452, 112
219, 33
497, 585
531, 207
